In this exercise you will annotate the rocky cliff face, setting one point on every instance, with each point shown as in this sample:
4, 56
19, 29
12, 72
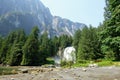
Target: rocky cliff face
65, 26
26, 14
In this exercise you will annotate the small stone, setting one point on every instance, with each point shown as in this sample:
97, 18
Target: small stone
24, 71
12, 78
54, 79
51, 69
34, 72
32, 77
76, 78
66, 71
84, 69
14, 71
74, 74
79, 76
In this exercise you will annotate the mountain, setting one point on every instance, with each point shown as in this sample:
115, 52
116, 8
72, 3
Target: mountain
26, 14
65, 26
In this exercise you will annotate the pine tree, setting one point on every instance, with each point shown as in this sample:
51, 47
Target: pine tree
65, 41
76, 39
6, 46
1, 39
88, 44
55, 42
31, 49
44, 46
15, 54
16, 49
111, 33
1, 44
83, 45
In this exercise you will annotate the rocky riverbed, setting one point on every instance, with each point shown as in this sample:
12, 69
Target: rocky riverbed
38, 73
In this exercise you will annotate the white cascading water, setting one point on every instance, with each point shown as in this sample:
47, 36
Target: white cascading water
67, 55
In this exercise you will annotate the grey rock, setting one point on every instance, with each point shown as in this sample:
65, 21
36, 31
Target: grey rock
24, 70
26, 14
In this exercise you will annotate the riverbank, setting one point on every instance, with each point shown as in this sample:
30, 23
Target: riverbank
38, 73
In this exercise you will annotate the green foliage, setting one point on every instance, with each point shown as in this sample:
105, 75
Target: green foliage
6, 46
66, 64
15, 55
65, 41
105, 63
31, 49
55, 46
117, 63
90, 43
50, 60
45, 47
76, 39
84, 63
110, 35
88, 48
109, 55
81, 63
17, 50
1, 41
3, 51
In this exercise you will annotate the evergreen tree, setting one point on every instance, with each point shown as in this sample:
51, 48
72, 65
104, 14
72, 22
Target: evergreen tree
15, 54
76, 39
44, 46
3, 51
6, 46
88, 44
55, 42
31, 49
1, 39
1, 44
83, 45
65, 41
16, 50
111, 33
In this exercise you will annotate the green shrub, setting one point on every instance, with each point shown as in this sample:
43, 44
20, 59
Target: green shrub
66, 64
50, 60
105, 63
82, 61
109, 55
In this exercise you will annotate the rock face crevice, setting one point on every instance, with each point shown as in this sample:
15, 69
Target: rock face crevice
25, 14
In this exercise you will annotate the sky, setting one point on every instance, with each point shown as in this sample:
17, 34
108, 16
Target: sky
89, 12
